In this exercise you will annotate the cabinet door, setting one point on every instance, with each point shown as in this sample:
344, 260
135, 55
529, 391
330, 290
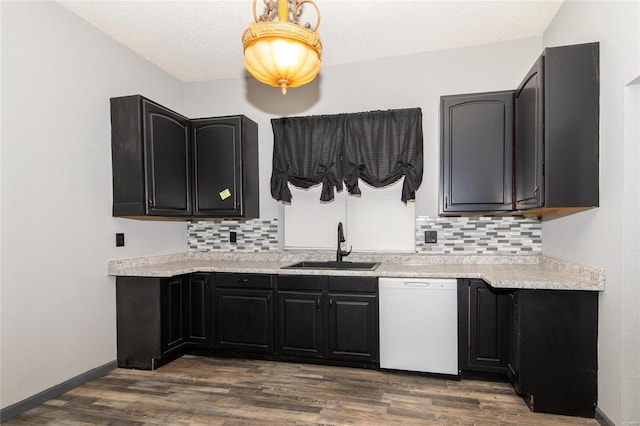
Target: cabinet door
139, 315
173, 314
529, 148
476, 152
300, 323
488, 329
244, 319
166, 141
513, 358
556, 358
218, 167
198, 290
353, 327
571, 125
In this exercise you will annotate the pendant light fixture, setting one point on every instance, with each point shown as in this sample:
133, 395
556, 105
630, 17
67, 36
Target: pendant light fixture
282, 53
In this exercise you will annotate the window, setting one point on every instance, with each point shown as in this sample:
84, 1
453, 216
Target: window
377, 221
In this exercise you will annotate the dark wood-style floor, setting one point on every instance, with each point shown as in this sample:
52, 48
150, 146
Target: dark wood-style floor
213, 391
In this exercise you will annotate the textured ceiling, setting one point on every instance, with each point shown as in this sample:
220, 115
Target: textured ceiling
201, 40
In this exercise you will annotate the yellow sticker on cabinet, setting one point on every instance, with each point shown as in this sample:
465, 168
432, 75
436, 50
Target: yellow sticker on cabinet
225, 194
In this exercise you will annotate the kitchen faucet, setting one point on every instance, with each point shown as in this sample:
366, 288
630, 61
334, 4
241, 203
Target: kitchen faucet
341, 253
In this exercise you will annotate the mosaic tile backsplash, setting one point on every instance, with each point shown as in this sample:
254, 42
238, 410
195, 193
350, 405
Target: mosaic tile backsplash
490, 235
251, 235
468, 235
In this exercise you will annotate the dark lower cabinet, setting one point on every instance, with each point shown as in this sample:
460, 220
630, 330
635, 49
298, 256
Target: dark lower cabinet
544, 341
301, 315
150, 320
300, 323
174, 318
198, 295
553, 350
244, 312
483, 340
353, 327
353, 321
334, 318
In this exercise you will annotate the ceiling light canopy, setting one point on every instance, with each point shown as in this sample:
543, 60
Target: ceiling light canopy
282, 53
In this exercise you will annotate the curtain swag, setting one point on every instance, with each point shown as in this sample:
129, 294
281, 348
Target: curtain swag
378, 147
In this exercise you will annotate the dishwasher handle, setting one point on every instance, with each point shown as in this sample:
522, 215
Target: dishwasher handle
421, 284
417, 284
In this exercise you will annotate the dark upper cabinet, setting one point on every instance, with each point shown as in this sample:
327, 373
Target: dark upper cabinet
571, 127
150, 159
166, 165
552, 165
483, 339
529, 153
225, 155
476, 152
552, 359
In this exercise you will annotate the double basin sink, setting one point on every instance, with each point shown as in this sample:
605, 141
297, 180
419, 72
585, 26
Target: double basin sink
329, 264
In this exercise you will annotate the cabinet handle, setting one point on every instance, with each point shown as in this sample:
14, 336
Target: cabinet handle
242, 280
268, 299
318, 304
150, 202
330, 303
446, 201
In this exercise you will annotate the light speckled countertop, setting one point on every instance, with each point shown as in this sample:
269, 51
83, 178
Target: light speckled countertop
506, 271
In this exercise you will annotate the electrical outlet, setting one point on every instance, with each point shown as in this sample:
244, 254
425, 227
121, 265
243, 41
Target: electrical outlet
119, 240
233, 237
430, 237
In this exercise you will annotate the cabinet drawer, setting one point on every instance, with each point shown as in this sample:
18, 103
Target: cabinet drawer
353, 284
260, 281
300, 282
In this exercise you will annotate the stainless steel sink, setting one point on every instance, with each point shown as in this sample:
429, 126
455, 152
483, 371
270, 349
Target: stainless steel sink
332, 264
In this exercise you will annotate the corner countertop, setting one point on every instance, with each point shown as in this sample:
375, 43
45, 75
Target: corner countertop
499, 271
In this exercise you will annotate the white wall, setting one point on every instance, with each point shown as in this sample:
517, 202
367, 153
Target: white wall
631, 255
605, 237
400, 82
58, 304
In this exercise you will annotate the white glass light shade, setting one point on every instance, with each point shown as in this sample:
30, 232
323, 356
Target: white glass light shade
281, 62
282, 53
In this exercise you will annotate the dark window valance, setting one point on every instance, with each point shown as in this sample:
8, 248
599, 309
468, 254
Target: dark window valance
378, 147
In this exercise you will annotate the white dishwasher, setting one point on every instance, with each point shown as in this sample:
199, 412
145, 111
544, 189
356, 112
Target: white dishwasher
419, 325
